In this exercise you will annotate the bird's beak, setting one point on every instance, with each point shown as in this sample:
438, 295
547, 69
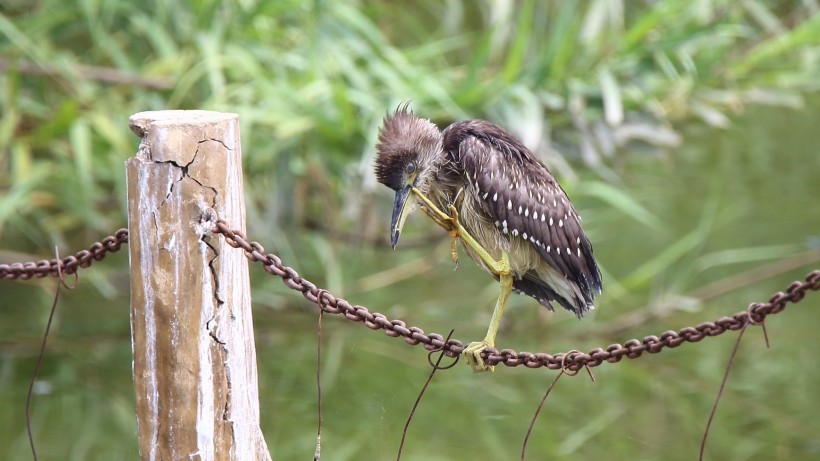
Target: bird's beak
401, 208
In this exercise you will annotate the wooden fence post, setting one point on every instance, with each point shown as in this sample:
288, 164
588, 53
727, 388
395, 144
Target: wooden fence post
191, 328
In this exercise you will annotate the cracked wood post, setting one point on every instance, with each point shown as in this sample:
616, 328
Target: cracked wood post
191, 328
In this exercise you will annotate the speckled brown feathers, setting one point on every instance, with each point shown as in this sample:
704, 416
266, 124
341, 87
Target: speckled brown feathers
523, 201
509, 202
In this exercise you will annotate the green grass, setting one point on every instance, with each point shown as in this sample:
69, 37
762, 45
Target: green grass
683, 131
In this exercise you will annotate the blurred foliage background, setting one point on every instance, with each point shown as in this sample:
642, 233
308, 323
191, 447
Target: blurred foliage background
684, 131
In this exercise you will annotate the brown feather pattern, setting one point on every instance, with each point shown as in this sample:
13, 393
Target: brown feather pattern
511, 202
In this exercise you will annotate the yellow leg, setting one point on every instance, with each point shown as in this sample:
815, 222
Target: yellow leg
501, 268
451, 229
441, 218
455, 229
472, 353
448, 222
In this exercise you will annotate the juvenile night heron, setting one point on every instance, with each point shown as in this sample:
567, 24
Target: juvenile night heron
485, 187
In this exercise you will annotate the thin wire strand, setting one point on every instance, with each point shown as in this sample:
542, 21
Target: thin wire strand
537, 411
720, 392
317, 453
42, 353
436, 367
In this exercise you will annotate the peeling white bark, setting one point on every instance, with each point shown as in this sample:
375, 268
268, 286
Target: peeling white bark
191, 326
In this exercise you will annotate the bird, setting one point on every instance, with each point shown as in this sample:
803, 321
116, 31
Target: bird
488, 190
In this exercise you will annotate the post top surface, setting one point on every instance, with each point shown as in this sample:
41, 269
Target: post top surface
140, 121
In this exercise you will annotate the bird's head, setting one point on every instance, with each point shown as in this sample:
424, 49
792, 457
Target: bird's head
408, 155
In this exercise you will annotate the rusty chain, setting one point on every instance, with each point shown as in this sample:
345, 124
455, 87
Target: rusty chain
572, 361
68, 265
568, 361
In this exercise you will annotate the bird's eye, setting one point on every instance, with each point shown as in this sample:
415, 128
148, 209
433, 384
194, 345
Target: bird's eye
410, 168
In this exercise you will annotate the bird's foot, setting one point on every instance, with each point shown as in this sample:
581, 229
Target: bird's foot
453, 219
472, 354
453, 246
452, 229
450, 222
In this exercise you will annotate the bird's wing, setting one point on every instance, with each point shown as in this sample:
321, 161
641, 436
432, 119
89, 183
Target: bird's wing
525, 202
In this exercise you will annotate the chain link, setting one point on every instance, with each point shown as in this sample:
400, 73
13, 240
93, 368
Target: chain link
68, 265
